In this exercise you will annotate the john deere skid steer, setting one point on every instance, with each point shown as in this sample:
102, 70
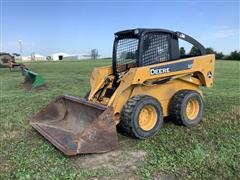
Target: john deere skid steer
148, 80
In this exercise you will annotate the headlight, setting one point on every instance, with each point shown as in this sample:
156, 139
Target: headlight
136, 31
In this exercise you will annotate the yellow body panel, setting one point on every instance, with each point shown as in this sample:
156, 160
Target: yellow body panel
164, 92
138, 81
201, 64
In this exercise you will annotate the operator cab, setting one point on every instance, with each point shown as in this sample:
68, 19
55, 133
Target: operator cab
143, 47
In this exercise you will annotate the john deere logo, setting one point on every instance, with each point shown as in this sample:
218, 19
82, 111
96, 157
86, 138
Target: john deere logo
209, 74
159, 71
179, 66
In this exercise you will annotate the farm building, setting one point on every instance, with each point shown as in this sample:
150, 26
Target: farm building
34, 57
84, 56
58, 56
64, 56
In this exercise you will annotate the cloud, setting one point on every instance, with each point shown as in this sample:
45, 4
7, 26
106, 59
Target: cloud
216, 27
222, 33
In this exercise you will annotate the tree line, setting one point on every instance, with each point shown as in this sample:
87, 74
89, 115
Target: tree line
234, 55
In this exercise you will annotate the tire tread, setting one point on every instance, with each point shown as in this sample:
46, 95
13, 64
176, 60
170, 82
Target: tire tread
176, 105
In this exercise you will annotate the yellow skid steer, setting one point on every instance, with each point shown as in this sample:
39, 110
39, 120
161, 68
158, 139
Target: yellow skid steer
148, 80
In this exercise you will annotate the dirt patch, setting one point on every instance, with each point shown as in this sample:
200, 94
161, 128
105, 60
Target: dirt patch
128, 176
235, 114
118, 160
28, 86
163, 176
123, 159
232, 116
8, 135
2, 167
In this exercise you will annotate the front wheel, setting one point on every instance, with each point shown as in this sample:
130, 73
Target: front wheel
141, 117
186, 108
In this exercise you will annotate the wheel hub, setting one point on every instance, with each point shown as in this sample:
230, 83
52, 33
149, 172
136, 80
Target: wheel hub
147, 117
192, 109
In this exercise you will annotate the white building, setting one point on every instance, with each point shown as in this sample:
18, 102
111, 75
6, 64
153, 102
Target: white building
58, 56
34, 57
84, 56
65, 56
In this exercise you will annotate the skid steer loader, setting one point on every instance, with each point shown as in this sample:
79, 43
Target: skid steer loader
148, 80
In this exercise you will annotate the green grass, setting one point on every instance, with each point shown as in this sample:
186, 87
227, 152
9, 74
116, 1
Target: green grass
210, 150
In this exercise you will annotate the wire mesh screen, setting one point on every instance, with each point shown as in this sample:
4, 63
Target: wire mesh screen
127, 53
155, 48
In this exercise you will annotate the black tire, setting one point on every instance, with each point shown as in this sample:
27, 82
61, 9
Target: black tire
130, 116
178, 108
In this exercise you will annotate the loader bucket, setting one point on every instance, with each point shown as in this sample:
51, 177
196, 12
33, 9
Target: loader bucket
32, 80
76, 126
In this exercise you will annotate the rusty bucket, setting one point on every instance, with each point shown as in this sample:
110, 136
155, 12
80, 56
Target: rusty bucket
76, 126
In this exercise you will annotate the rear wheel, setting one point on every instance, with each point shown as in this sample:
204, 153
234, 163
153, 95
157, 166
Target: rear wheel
141, 117
186, 108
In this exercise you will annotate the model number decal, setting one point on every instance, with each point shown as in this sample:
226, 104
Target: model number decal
179, 66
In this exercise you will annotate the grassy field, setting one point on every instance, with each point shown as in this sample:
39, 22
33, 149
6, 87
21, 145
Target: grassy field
210, 150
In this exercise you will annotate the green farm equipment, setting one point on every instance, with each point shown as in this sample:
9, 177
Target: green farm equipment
32, 79
8, 61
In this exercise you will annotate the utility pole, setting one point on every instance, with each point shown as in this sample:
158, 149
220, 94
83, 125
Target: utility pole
20, 48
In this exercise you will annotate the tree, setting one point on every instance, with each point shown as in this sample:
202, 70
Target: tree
209, 50
219, 55
235, 55
131, 55
94, 54
194, 51
33, 57
182, 51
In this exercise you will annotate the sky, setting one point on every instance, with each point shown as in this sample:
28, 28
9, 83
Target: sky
77, 26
